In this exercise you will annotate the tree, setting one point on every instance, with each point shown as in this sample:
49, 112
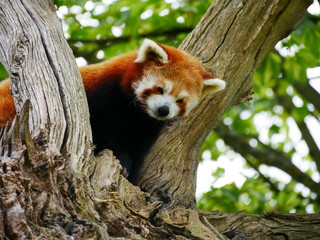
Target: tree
92, 38
52, 185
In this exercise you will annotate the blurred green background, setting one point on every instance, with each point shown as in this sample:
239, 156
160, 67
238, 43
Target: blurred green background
263, 155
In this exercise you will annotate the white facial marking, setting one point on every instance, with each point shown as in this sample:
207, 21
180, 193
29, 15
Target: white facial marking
191, 104
147, 82
148, 46
168, 86
155, 101
183, 94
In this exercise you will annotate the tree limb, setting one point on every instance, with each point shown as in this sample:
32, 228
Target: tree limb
314, 151
232, 39
309, 93
103, 43
266, 155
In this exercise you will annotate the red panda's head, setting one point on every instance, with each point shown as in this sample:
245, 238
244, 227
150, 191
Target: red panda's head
171, 81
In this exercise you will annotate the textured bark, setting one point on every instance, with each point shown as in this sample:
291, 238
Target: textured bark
32, 51
231, 40
51, 185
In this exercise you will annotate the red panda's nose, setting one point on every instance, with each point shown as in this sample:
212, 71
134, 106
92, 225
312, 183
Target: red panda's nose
163, 111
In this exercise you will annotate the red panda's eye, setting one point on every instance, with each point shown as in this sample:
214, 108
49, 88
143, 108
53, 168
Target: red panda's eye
160, 90
179, 101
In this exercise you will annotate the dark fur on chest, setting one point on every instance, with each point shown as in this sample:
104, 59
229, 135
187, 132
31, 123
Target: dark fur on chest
119, 124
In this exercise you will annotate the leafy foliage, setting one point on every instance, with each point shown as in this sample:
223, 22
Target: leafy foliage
3, 72
115, 27
276, 129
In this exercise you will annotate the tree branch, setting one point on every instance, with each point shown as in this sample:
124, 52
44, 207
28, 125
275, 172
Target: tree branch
103, 43
266, 179
314, 151
232, 39
266, 155
309, 93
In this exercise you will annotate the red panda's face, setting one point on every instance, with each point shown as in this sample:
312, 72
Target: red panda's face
162, 99
172, 81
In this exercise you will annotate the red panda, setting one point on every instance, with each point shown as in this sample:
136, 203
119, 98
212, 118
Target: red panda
7, 110
131, 98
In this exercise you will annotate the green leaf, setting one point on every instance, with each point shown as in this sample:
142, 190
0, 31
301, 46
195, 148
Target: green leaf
3, 72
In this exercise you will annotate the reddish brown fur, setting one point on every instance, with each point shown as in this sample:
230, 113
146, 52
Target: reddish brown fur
184, 71
7, 109
182, 107
95, 75
150, 91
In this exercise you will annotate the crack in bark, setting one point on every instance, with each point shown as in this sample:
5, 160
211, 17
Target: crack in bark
225, 35
52, 63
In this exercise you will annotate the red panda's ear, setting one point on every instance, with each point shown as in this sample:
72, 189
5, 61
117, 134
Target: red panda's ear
211, 84
151, 50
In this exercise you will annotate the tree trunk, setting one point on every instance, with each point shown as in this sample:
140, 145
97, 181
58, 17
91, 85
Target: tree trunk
52, 186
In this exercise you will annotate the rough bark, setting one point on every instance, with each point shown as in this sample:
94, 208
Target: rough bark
53, 188
32, 51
